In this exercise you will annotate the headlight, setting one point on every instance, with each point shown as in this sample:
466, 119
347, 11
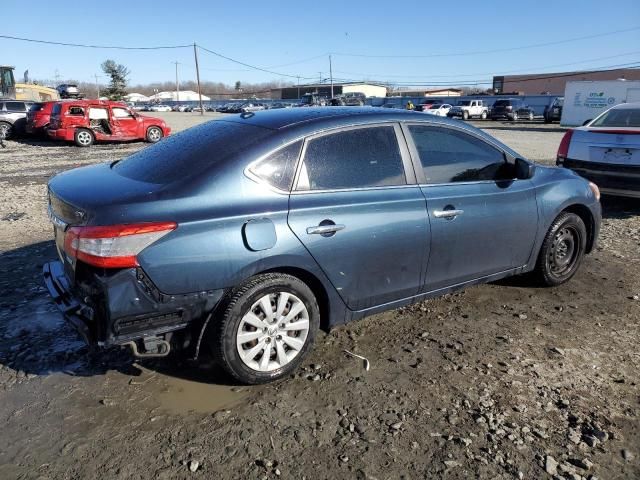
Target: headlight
596, 191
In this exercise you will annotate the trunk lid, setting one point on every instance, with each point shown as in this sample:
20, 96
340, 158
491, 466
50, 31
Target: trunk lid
605, 145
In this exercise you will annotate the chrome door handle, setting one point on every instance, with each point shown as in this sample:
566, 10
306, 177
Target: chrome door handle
447, 213
324, 229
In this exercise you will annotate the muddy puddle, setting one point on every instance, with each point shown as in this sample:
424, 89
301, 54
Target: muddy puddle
180, 396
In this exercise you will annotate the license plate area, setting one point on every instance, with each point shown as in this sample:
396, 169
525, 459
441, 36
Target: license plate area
616, 156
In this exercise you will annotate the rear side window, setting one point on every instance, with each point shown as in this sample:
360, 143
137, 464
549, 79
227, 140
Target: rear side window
15, 106
448, 156
190, 152
358, 158
76, 111
278, 168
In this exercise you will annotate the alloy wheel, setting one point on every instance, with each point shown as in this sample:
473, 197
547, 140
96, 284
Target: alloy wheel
273, 332
84, 138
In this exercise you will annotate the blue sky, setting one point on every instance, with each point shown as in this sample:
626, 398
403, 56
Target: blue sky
295, 38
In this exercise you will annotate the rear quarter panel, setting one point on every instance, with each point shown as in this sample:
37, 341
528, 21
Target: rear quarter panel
556, 190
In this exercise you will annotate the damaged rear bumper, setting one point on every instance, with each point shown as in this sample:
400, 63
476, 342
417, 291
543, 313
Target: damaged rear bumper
125, 307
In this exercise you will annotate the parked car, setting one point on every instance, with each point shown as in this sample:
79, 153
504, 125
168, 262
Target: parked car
312, 100
438, 109
212, 241
160, 108
38, 117
553, 111
87, 121
351, 99
13, 117
606, 150
426, 104
69, 90
251, 107
391, 105
466, 109
511, 109
276, 105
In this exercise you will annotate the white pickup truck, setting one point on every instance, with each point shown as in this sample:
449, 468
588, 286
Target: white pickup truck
469, 109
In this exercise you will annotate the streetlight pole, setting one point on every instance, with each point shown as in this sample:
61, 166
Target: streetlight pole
195, 54
177, 84
331, 75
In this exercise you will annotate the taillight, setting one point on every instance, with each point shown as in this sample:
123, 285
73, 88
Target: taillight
115, 246
563, 149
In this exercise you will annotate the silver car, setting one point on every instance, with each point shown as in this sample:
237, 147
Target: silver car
607, 150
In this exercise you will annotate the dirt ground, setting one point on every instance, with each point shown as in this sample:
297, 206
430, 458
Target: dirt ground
499, 381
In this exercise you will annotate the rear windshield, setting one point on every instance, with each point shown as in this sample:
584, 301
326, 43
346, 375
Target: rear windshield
621, 117
36, 107
190, 152
503, 103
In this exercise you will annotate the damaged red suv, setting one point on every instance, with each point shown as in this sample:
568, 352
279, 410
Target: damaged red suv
87, 121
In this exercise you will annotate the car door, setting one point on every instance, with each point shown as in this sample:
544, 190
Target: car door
483, 221
124, 124
356, 208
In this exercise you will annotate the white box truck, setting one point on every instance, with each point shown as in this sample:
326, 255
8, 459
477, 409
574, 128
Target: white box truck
585, 100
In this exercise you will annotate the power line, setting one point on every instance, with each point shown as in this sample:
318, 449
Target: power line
633, 65
113, 47
497, 50
250, 66
491, 73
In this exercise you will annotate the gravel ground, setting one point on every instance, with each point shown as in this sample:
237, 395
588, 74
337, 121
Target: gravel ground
499, 381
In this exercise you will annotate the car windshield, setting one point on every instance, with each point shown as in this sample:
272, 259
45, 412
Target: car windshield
464, 103
502, 103
189, 153
618, 117
560, 102
436, 105
306, 99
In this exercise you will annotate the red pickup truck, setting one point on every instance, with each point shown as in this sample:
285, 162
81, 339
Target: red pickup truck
87, 121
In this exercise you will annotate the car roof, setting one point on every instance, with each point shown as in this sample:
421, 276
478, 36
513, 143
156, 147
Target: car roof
334, 116
622, 106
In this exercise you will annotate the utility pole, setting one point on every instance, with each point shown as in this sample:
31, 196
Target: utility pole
331, 75
177, 84
97, 86
195, 54
320, 81
57, 76
298, 87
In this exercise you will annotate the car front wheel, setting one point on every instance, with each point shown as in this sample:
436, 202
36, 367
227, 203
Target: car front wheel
5, 130
562, 250
267, 327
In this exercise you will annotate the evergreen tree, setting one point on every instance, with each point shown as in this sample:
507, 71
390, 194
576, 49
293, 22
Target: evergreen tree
118, 84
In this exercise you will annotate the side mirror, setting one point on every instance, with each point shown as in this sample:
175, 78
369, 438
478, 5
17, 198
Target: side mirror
524, 169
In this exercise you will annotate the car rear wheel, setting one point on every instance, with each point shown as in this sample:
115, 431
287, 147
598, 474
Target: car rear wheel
483, 116
562, 250
5, 130
266, 329
530, 116
154, 134
83, 137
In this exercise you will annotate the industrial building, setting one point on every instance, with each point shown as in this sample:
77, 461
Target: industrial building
554, 83
324, 90
442, 92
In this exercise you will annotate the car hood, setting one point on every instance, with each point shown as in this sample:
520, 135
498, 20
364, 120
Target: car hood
97, 195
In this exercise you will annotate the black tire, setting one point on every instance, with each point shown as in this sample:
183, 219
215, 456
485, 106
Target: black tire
465, 115
483, 115
531, 116
83, 137
547, 119
6, 130
515, 117
562, 250
238, 303
154, 134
